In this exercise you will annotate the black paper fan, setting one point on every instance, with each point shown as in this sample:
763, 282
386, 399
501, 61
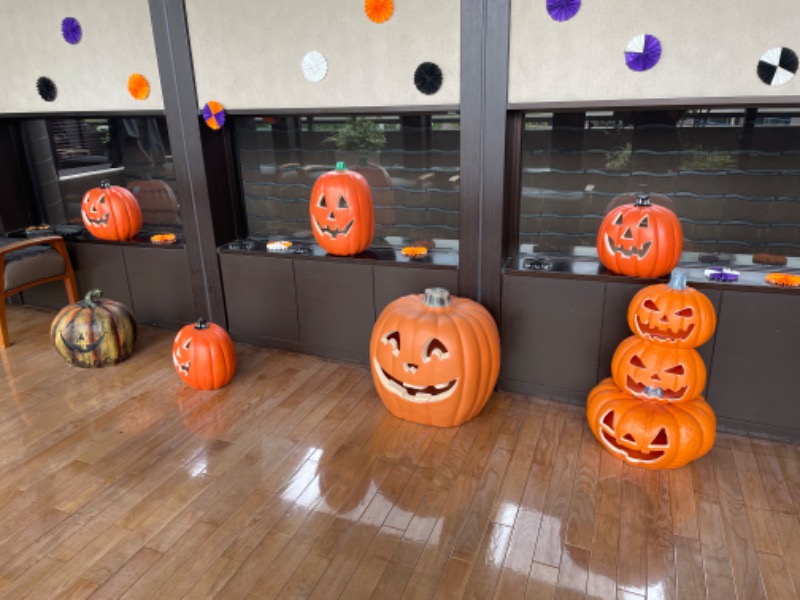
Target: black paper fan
428, 78
777, 66
47, 89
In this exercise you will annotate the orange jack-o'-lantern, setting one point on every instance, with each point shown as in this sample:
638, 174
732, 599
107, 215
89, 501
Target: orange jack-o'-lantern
640, 239
204, 356
672, 315
435, 358
652, 372
111, 212
342, 216
647, 433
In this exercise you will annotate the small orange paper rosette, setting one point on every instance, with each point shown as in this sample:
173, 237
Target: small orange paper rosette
783, 279
379, 11
138, 86
415, 251
163, 238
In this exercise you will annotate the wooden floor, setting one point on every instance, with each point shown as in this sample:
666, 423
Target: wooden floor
293, 481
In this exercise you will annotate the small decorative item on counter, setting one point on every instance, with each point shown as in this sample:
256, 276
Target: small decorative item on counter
763, 258
163, 238
242, 245
540, 263
721, 274
783, 279
415, 251
279, 246
39, 231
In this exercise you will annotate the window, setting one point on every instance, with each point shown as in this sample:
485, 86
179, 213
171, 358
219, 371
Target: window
731, 175
411, 163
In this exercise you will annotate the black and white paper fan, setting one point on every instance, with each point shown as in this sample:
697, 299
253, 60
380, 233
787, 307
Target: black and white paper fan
777, 66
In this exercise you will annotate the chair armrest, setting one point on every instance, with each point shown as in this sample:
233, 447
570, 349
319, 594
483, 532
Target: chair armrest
56, 241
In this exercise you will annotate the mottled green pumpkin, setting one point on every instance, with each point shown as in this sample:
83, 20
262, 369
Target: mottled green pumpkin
94, 332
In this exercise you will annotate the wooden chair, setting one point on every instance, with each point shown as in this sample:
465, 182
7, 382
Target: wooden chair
22, 267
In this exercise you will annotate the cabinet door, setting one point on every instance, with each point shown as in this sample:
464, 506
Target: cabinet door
551, 335
755, 376
335, 308
161, 289
260, 298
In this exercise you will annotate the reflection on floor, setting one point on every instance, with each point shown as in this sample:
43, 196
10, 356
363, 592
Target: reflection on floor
293, 481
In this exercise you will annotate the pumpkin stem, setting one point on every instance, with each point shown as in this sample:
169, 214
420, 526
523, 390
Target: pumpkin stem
201, 324
105, 184
340, 166
642, 200
677, 280
436, 297
92, 298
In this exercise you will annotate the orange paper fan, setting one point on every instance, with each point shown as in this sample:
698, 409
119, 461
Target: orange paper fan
163, 238
379, 10
138, 86
414, 251
783, 279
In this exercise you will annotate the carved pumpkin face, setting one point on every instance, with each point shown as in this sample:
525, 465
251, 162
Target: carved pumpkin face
204, 356
435, 358
652, 372
640, 240
672, 315
342, 216
111, 213
650, 434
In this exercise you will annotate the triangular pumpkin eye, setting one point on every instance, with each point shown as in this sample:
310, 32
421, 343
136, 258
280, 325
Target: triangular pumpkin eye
660, 439
343, 203
322, 203
637, 362
618, 220
645, 222
608, 420
676, 370
685, 312
650, 305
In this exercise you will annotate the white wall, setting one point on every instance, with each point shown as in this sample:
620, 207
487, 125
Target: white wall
247, 53
91, 76
710, 49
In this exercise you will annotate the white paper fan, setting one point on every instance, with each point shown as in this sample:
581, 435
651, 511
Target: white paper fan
315, 66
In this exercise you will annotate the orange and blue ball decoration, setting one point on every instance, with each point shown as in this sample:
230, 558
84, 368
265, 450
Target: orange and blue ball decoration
214, 114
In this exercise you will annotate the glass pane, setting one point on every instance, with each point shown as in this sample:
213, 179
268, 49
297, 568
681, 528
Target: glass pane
410, 162
731, 175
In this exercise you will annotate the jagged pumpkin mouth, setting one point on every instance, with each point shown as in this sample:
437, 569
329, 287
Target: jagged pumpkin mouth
634, 454
633, 251
335, 232
656, 393
101, 221
661, 334
183, 368
414, 393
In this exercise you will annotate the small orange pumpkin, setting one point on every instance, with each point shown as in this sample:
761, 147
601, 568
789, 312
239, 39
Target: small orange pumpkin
650, 434
672, 315
652, 372
341, 211
111, 212
435, 358
640, 239
204, 356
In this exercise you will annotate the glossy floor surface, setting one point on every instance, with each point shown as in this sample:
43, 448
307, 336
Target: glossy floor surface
293, 481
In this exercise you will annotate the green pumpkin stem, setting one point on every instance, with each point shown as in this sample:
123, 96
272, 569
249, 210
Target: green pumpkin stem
201, 324
92, 298
340, 166
677, 280
642, 200
436, 298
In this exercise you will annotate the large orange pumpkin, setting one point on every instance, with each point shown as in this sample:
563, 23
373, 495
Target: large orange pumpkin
341, 211
652, 372
672, 315
204, 356
435, 358
111, 212
647, 433
157, 201
640, 239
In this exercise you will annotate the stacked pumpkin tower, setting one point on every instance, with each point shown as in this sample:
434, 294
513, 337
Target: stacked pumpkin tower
650, 413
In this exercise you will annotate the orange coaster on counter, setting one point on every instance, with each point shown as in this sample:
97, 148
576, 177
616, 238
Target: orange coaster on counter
783, 279
163, 238
415, 251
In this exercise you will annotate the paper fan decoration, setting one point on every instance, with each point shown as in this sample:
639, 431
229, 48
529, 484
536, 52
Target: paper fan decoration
428, 78
777, 66
214, 114
47, 89
642, 52
563, 10
138, 86
71, 30
379, 11
315, 66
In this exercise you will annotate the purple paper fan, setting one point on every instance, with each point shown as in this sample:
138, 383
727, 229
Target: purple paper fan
642, 52
71, 30
563, 10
